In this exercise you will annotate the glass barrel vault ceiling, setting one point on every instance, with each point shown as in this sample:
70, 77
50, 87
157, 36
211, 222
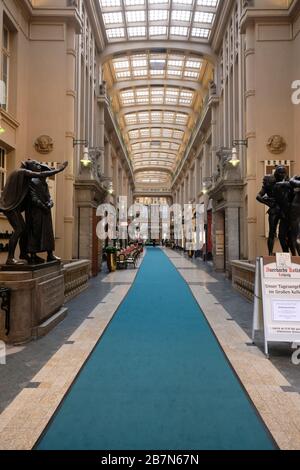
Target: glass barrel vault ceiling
157, 93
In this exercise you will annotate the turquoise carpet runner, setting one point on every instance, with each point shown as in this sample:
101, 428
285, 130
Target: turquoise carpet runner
157, 380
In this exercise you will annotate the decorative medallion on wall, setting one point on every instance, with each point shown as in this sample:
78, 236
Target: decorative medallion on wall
44, 144
276, 144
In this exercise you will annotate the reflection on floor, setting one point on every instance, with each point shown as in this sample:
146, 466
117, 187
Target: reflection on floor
38, 375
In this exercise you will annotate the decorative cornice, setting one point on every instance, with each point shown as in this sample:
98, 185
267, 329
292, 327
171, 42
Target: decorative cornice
9, 119
71, 93
222, 20
251, 15
249, 52
250, 93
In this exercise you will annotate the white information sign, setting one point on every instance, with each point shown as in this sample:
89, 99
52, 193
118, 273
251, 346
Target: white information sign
277, 299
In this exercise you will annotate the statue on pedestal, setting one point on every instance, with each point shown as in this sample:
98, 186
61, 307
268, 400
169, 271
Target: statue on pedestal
40, 235
276, 193
17, 197
293, 185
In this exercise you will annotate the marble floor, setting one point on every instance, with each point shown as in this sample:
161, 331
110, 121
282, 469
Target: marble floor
38, 375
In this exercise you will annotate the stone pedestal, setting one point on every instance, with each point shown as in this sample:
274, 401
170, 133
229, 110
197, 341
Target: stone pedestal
37, 298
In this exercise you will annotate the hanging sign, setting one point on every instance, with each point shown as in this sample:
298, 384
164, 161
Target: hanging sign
277, 299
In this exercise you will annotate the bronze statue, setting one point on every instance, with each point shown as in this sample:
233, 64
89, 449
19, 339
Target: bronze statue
294, 213
14, 200
40, 236
277, 196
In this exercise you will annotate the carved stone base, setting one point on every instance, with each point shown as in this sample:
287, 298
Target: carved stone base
37, 295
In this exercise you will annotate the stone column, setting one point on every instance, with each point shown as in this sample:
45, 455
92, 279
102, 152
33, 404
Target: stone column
197, 178
251, 135
214, 138
100, 126
107, 159
191, 185
120, 178
68, 189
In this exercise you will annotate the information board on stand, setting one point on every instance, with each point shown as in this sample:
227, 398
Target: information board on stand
277, 299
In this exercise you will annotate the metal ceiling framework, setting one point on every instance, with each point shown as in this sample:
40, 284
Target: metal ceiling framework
157, 92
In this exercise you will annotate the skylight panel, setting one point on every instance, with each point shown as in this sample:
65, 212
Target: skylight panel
110, 3
142, 92
158, 15
145, 133
181, 118
128, 102
136, 31
127, 94
200, 33
165, 145
134, 134
130, 118
193, 64
139, 62
186, 93
155, 2
135, 16
123, 75
157, 72
113, 18
181, 15
207, 3
183, 2
157, 64
121, 64
142, 100
140, 73
175, 73
203, 17
175, 146
184, 102
179, 31
133, 3
157, 92
178, 135
190, 74
144, 117
155, 116
157, 100
115, 33
172, 101
172, 92
157, 30
175, 63
167, 133
169, 117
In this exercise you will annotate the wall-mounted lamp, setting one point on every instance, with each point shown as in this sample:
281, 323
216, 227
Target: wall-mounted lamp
227, 155
86, 160
206, 181
234, 160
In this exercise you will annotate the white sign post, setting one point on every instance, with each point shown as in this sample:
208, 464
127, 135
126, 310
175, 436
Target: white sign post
277, 299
